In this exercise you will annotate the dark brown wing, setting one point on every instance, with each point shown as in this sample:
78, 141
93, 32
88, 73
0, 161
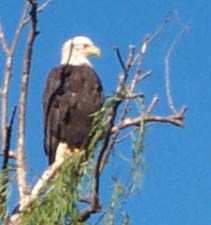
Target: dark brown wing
51, 111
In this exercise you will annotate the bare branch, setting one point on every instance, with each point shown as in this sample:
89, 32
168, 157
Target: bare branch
85, 214
126, 136
174, 120
45, 178
152, 105
43, 6
119, 57
3, 41
144, 76
167, 70
39, 9
4, 100
147, 40
8, 73
8, 140
5, 178
47, 175
131, 57
21, 167
12, 155
20, 27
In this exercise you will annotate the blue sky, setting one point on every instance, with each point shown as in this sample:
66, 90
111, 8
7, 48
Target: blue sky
177, 179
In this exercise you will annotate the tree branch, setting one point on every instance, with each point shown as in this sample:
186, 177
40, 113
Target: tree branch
177, 120
167, 69
4, 181
6, 152
3, 41
47, 175
21, 166
8, 72
4, 100
43, 6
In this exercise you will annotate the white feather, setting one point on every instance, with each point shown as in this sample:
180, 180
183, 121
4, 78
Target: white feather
73, 51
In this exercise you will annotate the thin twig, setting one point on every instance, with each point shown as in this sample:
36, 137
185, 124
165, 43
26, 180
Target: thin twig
43, 6
39, 10
147, 40
167, 70
152, 105
131, 57
5, 169
3, 41
126, 136
144, 76
119, 57
108, 146
8, 140
12, 155
20, 27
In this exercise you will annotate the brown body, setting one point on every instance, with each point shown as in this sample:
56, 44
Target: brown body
72, 93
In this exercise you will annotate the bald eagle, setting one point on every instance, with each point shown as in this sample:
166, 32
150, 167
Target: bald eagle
73, 92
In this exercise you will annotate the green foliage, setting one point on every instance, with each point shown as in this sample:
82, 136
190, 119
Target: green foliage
5, 181
58, 203
116, 211
3, 194
129, 184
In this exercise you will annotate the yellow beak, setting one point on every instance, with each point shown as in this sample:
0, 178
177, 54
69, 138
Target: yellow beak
92, 50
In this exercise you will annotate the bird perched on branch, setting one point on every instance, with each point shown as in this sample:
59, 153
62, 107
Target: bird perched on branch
73, 92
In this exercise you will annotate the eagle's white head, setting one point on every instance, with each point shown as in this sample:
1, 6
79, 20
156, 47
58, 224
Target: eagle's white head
76, 51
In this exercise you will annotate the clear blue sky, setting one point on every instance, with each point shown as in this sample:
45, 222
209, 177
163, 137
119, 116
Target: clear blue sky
177, 180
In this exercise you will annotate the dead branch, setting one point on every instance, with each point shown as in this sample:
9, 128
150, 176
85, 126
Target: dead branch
7, 153
3, 41
12, 155
39, 9
21, 167
20, 27
47, 175
5, 178
167, 70
152, 105
177, 120
9, 52
43, 6
4, 100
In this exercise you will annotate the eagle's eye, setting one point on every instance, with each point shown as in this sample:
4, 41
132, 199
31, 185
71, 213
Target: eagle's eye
86, 45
